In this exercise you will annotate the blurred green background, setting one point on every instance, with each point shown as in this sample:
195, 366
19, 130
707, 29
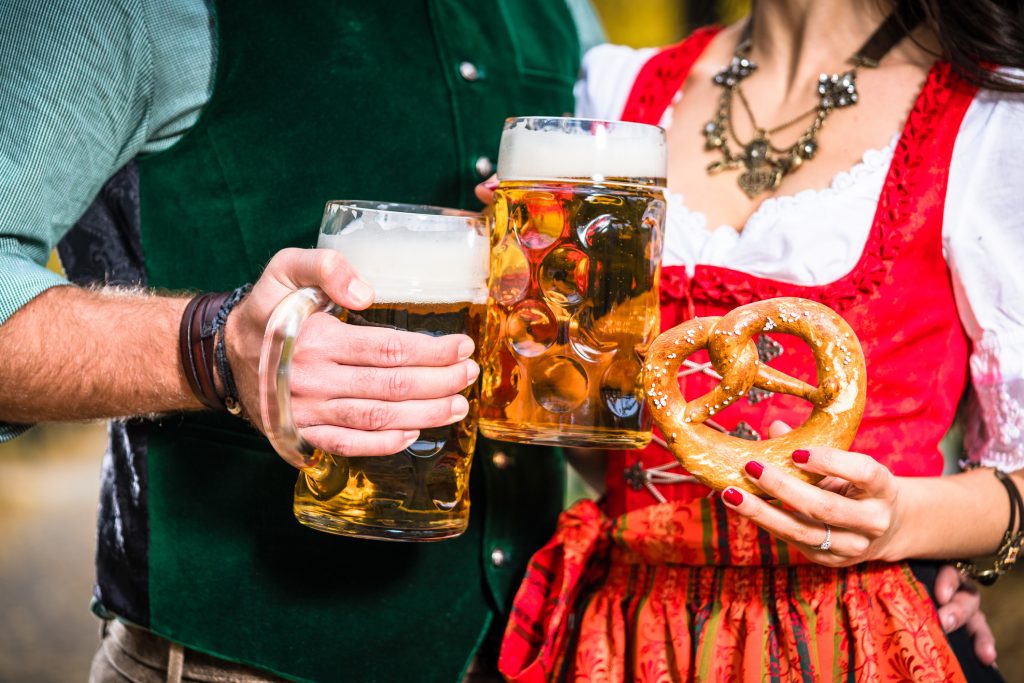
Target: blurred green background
49, 479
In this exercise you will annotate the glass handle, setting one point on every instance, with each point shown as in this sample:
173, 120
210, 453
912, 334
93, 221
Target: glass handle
275, 381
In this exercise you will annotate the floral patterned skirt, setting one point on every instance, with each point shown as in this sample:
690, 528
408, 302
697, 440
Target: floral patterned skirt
690, 592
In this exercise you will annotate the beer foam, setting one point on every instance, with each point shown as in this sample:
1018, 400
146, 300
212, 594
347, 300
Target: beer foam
612, 150
428, 264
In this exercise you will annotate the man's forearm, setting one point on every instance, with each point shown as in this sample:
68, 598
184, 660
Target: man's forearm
73, 354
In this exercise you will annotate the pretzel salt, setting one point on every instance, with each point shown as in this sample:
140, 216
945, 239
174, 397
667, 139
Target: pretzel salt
716, 458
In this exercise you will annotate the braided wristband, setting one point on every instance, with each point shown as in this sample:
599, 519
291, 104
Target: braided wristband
230, 397
1010, 546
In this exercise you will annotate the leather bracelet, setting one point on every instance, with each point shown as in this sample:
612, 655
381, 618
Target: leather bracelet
196, 344
1010, 546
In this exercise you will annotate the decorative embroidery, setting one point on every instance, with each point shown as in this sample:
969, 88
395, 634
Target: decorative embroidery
757, 394
744, 431
767, 348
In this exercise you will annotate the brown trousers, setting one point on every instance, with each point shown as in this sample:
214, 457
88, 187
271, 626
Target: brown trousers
134, 655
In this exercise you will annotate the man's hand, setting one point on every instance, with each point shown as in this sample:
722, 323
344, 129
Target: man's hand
355, 390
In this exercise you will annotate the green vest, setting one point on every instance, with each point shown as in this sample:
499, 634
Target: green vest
320, 100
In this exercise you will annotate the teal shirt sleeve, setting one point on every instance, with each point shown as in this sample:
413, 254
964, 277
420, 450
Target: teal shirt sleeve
85, 86
74, 90
588, 25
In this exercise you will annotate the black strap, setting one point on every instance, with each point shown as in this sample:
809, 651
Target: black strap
1016, 503
895, 28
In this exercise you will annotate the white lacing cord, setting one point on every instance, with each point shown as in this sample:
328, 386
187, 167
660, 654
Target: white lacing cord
703, 368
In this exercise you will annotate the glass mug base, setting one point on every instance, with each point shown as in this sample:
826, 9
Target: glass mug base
415, 495
553, 434
314, 517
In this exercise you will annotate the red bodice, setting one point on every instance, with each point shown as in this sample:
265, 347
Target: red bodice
898, 297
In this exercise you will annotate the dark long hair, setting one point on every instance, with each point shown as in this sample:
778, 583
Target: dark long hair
975, 36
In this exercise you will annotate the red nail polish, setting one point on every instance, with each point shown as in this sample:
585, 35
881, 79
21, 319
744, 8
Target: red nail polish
732, 496
801, 456
754, 469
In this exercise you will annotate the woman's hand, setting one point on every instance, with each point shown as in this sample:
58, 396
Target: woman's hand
485, 190
854, 510
859, 499
855, 507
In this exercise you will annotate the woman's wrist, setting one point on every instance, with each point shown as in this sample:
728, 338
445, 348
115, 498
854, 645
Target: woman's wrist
957, 516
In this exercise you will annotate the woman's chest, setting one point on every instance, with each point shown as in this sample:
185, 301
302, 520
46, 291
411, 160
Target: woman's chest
839, 145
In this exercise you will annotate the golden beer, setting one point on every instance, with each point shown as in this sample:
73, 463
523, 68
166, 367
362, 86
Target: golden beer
423, 491
573, 288
428, 269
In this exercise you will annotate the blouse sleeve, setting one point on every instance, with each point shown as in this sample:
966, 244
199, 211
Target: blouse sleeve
983, 238
606, 78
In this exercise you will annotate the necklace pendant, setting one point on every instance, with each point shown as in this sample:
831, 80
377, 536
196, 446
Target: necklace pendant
755, 153
756, 181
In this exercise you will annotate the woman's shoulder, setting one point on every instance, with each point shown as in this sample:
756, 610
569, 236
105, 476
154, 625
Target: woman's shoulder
992, 129
606, 78
609, 71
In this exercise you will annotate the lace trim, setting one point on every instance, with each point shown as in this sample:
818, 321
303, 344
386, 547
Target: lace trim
995, 411
872, 162
895, 222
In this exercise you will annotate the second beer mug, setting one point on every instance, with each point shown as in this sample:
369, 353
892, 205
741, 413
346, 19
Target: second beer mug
428, 269
573, 297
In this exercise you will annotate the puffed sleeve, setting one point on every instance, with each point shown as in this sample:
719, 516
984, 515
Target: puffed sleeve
983, 236
606, 78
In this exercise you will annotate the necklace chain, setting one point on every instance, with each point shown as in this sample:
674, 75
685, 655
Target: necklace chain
764, 164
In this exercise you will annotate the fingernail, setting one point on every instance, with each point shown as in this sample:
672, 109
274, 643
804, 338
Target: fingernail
754, 468
948, 622
801, 456
491, 183
360, 291
411, 435
732, 496
459, 407
466, 347
472, 373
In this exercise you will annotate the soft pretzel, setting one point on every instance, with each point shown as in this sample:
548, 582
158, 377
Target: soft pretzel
716, 458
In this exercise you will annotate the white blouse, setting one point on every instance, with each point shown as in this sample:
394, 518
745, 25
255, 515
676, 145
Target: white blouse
785, 239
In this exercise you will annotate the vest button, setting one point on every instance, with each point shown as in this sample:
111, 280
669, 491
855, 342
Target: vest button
484, 166
468, 71
498, 557
501, 460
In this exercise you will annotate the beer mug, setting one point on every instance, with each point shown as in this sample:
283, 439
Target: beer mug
428, 269
573, 289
